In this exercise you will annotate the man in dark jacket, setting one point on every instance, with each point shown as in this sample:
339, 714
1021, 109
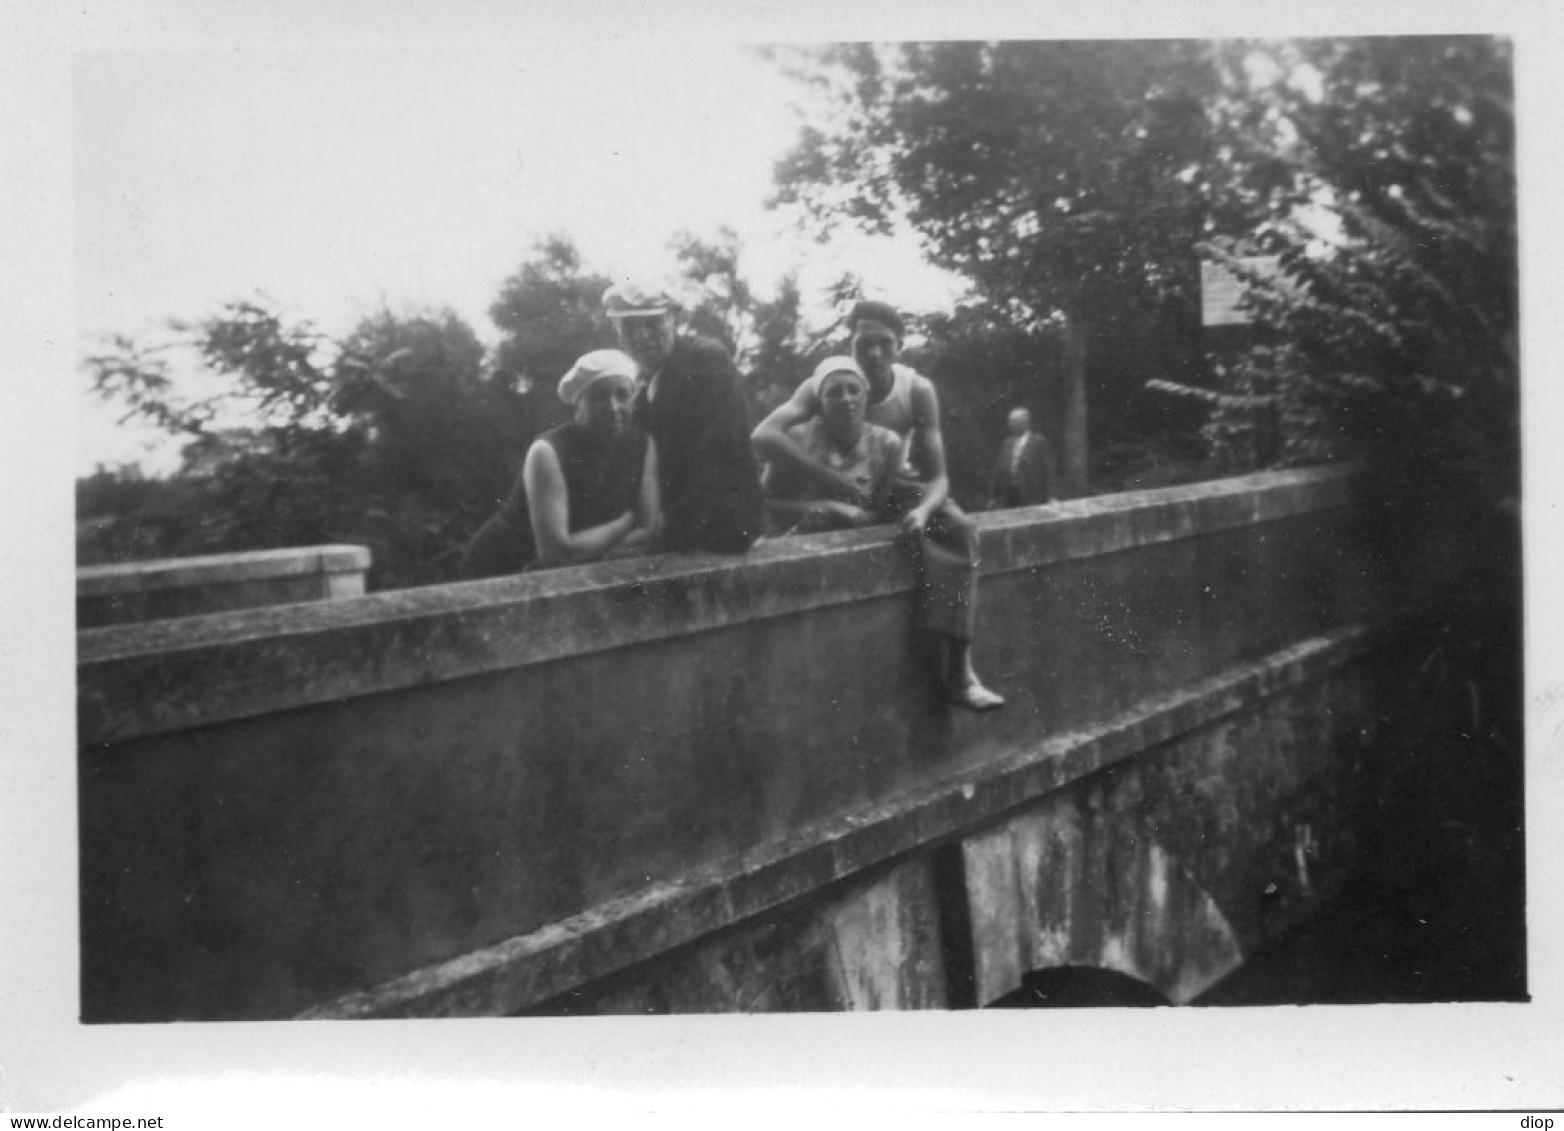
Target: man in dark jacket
1024, 473
690, 404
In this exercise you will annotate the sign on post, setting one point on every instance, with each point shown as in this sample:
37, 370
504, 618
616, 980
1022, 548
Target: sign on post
1222, 291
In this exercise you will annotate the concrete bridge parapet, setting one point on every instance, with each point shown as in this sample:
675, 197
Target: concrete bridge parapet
698, 783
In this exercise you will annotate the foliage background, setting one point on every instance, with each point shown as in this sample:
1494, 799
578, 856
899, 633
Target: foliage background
1076, 186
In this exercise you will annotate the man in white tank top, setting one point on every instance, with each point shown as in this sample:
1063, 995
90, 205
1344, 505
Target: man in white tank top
942, 536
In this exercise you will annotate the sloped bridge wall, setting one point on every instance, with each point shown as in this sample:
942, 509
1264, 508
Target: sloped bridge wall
700, 783
216, 583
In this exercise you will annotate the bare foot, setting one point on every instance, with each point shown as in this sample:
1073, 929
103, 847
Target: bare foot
973, 696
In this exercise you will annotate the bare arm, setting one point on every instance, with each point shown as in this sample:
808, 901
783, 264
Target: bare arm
550, 508
895, 457
647, 510
928, 453
773, 445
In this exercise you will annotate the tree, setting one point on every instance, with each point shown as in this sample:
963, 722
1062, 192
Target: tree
439, 434
1382, 176
392, 437
1392, 321
163, 512
549, 313
1064, 180
405, 435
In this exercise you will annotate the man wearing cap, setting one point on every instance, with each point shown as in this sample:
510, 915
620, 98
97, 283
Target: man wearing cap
689, 403
588, 488
942, 537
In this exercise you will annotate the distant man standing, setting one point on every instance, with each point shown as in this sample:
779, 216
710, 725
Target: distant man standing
942, 537
688, 400
1024, 473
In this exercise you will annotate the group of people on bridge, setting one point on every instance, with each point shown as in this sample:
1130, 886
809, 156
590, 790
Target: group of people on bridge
659, 457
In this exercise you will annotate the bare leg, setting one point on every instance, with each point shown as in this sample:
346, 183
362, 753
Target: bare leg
962, 686
947, 560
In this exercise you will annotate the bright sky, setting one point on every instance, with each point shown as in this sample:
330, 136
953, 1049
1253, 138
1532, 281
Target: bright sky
341, 181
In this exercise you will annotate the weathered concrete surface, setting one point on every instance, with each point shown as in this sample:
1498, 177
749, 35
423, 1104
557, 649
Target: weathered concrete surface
872, 943
460, 799
183, 587
672, 935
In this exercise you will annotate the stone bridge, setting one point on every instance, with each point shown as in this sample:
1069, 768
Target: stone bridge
696, 783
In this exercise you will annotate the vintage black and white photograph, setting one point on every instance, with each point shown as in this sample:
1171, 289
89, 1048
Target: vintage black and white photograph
621, 526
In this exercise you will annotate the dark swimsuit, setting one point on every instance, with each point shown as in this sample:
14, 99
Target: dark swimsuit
602, 481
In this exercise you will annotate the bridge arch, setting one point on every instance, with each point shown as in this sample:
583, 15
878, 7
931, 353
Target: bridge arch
1077, 885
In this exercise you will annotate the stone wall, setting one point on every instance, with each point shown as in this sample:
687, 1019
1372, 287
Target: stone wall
1166, 844
183, 587
477, 798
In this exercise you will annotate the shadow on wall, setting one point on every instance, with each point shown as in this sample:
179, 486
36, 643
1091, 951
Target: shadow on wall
1075, 987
